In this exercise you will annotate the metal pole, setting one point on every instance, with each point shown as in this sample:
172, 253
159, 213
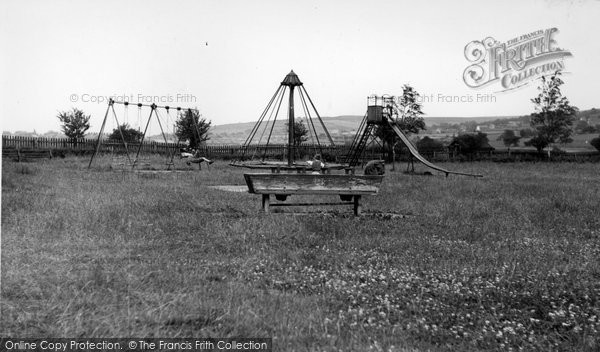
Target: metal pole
121, 133
110, 103
319, 117
291, 128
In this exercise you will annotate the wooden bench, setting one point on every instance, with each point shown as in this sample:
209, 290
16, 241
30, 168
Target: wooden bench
350, 188
19, 154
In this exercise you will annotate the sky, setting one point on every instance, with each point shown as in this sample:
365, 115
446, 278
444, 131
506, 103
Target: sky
227, 57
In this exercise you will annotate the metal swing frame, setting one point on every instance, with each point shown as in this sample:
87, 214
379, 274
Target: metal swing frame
153, 111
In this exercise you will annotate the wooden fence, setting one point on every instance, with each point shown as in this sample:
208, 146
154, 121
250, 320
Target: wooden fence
66, 144
275, 151
222, 151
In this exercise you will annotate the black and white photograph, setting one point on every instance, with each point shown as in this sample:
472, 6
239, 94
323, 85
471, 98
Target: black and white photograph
319, 175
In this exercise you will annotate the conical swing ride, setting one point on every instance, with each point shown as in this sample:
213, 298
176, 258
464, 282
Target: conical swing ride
294, 176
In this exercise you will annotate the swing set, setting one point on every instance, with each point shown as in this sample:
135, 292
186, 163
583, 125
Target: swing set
155, 110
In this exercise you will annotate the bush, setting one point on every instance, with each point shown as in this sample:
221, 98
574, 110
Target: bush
538, 142
429, 146
131, 135
596, 143
527, 133
557, 151
469, 143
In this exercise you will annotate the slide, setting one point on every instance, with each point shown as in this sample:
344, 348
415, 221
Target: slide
415, 153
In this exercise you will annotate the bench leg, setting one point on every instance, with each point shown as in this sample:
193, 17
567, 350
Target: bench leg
357, 206
265, 202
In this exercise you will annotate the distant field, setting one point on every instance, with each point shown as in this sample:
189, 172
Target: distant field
580, 141
506, 262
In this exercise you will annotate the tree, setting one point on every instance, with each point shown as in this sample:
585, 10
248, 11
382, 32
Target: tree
582, 126
427, 145
469, 143
192, 127
554, 115
526, 133
509, 139
538, 142
596, 143
300, 133
591, 129
407, 115
470, 126
409, 111
131, 135
74, 123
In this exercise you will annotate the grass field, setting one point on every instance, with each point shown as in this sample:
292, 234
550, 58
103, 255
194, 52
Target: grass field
507, 262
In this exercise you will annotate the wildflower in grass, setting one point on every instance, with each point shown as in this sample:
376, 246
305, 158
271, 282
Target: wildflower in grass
457, 305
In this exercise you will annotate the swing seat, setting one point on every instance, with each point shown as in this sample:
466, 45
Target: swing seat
142, 162
120, 163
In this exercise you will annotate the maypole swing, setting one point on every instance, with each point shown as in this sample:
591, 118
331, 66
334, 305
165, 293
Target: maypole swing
290, 177
154, 111
256, 152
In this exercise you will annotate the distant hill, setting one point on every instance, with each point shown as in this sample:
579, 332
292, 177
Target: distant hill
433, 121
54, 134
345, 125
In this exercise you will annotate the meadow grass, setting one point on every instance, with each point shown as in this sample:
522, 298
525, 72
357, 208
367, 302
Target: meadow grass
506, 262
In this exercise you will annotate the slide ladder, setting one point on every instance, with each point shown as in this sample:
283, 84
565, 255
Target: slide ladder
359, 143
414, 152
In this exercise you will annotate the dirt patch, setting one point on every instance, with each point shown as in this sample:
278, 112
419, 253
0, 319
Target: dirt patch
231, 188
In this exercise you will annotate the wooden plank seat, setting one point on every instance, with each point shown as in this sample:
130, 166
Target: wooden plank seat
121, 162
350, 188
141, 163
